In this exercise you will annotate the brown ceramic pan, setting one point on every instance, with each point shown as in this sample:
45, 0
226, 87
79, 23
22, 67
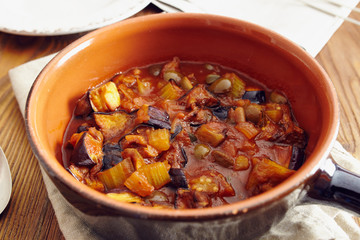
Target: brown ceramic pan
258, 52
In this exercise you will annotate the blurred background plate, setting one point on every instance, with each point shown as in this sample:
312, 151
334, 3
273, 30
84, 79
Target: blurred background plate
59, 17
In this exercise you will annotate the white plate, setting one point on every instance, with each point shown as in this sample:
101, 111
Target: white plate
5, 181
58, 17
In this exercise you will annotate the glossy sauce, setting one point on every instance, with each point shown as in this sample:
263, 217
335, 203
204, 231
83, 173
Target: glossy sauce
151, 79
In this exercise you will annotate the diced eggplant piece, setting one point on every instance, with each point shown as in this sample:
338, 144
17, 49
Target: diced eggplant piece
87, 151
83, 106
178, 179
112, 155
158, 118
297, 158
114, 123
105, 98
220, 112
153, 116
257, 97
222, 159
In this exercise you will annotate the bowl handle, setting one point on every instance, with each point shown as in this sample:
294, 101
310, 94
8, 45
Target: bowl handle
334, 186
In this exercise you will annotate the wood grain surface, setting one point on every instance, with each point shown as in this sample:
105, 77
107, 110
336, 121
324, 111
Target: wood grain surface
30, 215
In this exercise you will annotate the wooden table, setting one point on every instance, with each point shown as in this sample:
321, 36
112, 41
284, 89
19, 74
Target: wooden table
30, 215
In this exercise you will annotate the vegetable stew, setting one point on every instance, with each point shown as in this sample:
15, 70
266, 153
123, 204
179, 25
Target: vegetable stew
182, 135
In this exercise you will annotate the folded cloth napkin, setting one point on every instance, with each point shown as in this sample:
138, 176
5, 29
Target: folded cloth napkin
301, 222
307, 26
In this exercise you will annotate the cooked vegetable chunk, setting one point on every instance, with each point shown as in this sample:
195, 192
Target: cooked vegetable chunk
211, 133
113, 124
83, 106
160, 139
222, 158
297, 158
170, 91
178, 178
265, 175
112, 155
139, 184
116, 176
105, 98
156, 173
241, 163
255, 96
88, 150
153, 117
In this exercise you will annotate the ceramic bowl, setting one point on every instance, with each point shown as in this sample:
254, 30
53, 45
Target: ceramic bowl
258, 52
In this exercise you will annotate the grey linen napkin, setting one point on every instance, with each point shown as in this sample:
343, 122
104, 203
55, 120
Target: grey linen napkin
301, 222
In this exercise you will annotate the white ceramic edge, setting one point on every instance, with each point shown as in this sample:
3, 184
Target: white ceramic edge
5, 182
91, 26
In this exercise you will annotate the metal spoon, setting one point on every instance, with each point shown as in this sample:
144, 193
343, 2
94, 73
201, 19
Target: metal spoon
5, 181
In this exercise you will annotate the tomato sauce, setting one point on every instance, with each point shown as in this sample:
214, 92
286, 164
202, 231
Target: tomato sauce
182, 135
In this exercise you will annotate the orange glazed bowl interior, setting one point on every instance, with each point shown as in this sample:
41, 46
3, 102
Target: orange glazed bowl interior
253, 50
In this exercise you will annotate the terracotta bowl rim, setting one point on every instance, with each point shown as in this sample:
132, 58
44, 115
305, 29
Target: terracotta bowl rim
295, 181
